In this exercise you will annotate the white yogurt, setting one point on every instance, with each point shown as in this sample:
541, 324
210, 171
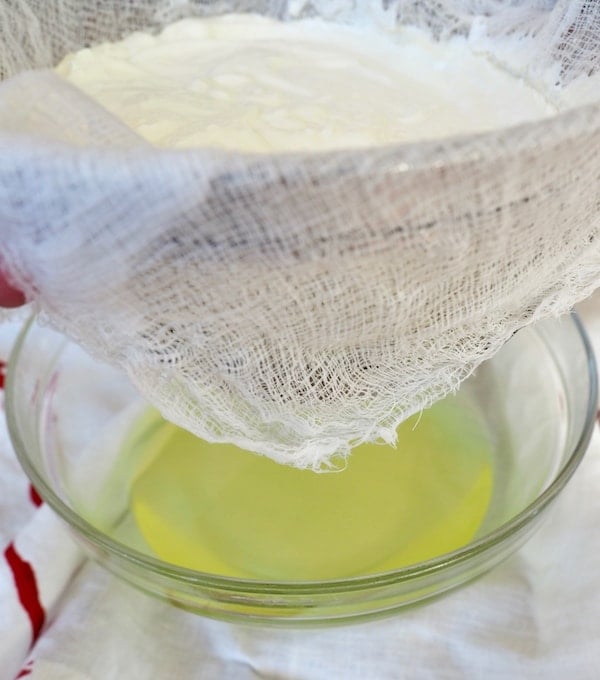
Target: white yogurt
249, 83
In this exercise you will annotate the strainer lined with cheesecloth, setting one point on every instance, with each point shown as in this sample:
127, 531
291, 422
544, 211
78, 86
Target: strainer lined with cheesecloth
299, 304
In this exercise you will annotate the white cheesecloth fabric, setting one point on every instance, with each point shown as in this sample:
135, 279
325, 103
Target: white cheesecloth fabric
298, 304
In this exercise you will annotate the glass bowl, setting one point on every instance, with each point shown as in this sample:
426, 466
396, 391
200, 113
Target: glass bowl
69, 416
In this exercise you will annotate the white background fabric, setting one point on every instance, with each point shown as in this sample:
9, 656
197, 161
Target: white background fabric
535, 616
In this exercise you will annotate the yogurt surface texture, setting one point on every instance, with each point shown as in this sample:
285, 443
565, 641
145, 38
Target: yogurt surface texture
253, 84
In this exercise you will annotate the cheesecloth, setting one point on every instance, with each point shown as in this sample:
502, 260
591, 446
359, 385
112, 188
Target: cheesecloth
299, 304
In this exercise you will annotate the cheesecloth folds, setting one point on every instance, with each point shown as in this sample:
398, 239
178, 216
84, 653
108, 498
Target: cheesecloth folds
299, 304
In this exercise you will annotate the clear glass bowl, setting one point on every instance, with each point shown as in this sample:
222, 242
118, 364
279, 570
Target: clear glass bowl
68, 416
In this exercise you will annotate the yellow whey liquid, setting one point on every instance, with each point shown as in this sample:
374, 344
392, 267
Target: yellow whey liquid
218, 509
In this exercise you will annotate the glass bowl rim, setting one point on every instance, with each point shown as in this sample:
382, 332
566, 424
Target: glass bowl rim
257, 586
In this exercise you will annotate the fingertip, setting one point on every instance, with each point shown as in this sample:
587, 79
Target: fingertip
10, 296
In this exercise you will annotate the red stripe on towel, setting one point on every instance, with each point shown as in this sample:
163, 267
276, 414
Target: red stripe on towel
26, 670
34, 496
27, 589
2, 373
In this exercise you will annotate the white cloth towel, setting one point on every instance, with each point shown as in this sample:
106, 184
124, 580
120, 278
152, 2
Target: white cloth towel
535, 616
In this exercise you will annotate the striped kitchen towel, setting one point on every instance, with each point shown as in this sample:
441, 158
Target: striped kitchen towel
39, 556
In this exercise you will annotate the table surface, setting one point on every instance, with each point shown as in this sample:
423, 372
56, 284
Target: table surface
537, 615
